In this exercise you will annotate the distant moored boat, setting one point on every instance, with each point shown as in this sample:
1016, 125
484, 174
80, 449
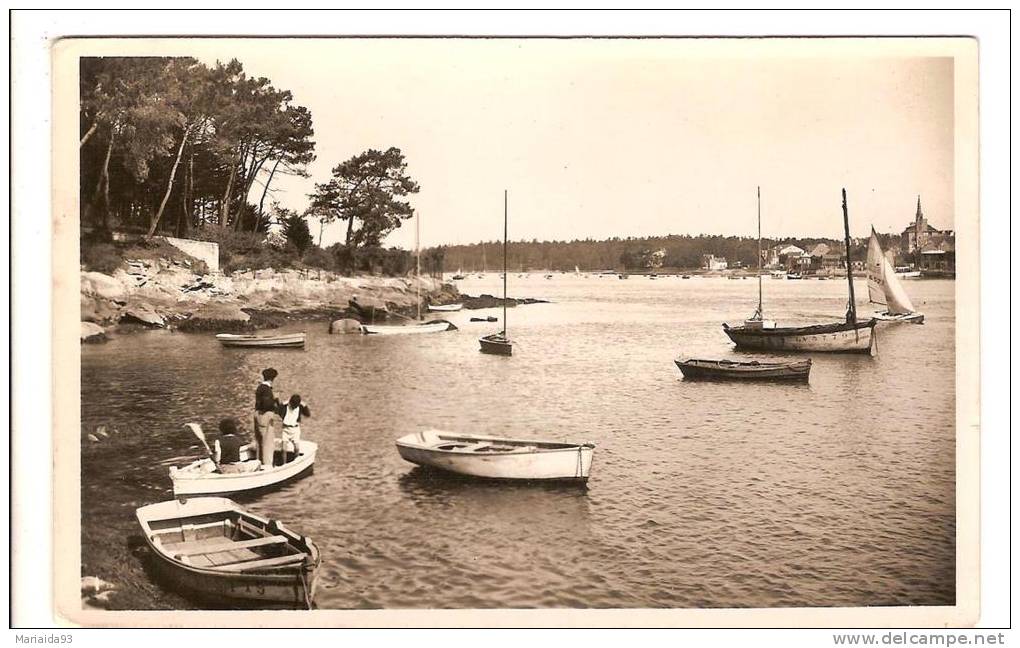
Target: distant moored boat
292, 340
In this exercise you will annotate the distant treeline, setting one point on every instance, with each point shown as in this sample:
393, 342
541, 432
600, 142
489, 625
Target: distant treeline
674, 251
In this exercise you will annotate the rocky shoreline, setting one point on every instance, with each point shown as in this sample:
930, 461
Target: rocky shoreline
167, 293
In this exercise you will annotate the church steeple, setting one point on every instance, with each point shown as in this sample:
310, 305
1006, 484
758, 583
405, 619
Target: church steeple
919, 214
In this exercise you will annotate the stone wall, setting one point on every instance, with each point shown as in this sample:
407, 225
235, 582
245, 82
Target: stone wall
206, 251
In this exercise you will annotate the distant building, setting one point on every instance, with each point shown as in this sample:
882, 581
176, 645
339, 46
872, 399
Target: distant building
712, 262
920, 234
938, 259
780, 256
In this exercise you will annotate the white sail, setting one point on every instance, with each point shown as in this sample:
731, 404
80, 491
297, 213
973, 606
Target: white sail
577, 271
883, 286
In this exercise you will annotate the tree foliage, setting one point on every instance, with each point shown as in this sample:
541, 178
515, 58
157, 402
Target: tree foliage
171, 144
367, 192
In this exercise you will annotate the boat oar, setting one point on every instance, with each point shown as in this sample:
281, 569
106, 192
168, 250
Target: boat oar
196, 429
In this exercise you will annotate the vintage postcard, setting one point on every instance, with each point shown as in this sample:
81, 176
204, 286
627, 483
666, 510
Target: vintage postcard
453, 332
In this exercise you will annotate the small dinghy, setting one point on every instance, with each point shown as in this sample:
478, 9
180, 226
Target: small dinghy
292, 340
499, 343
213, 549
490, 318
497, 458
496, 344
437, 326
885, 289
202, 477
445, 308
693, 368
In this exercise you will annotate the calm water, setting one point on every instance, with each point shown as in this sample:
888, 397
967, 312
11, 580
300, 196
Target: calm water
840, 492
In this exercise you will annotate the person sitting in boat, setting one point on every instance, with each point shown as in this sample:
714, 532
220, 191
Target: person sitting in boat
229, 447
291, 414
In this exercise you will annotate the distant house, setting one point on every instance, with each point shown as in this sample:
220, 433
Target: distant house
783, 256
938, 259
712, 262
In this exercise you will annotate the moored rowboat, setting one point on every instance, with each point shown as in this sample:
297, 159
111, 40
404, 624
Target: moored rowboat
753, 370
496, 344
291, 340
212, 549
437, 326
498, 458
445, 308
199, 478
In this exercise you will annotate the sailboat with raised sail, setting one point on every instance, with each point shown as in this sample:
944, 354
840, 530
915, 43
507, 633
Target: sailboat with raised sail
851, 336
884, 287
434, 326
499, 343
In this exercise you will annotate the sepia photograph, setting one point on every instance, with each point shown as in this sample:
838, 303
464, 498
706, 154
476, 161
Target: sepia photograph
451, 324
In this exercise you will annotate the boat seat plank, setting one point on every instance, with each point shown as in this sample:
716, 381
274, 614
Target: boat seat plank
192, 527
248, 527
232, 545
279, 561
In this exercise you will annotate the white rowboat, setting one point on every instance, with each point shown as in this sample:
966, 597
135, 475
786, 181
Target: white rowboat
213, 549
407, 329
445, 308
291, 340
198, 477
498, 458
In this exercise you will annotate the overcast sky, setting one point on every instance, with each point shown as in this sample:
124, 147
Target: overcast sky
600, 138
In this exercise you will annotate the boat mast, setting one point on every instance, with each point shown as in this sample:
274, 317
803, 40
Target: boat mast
504, 262
417, 260
851, 312
759, 313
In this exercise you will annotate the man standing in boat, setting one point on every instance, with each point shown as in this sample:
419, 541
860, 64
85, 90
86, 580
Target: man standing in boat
266, 408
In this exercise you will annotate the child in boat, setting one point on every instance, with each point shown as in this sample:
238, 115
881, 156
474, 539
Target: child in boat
228, 447
291, 414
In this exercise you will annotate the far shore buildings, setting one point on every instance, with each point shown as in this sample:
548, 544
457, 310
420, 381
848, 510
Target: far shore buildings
931, 250
712, 262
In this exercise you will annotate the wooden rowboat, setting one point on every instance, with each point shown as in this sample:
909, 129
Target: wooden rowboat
445, 308
212, 549
437, 326
693, 368
291, 340
498, 458
199, 478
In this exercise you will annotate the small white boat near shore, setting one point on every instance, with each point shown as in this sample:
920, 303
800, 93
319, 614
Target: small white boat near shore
200, 477
437, 326
498, 458
211, 548
288, 341
445, 308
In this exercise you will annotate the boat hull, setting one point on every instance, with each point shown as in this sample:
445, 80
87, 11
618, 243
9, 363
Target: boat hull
723, 370
190, 480
409, 329
858, 337
446, 308
495, 347
291, 585
912, 318
293, 341
563, 462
